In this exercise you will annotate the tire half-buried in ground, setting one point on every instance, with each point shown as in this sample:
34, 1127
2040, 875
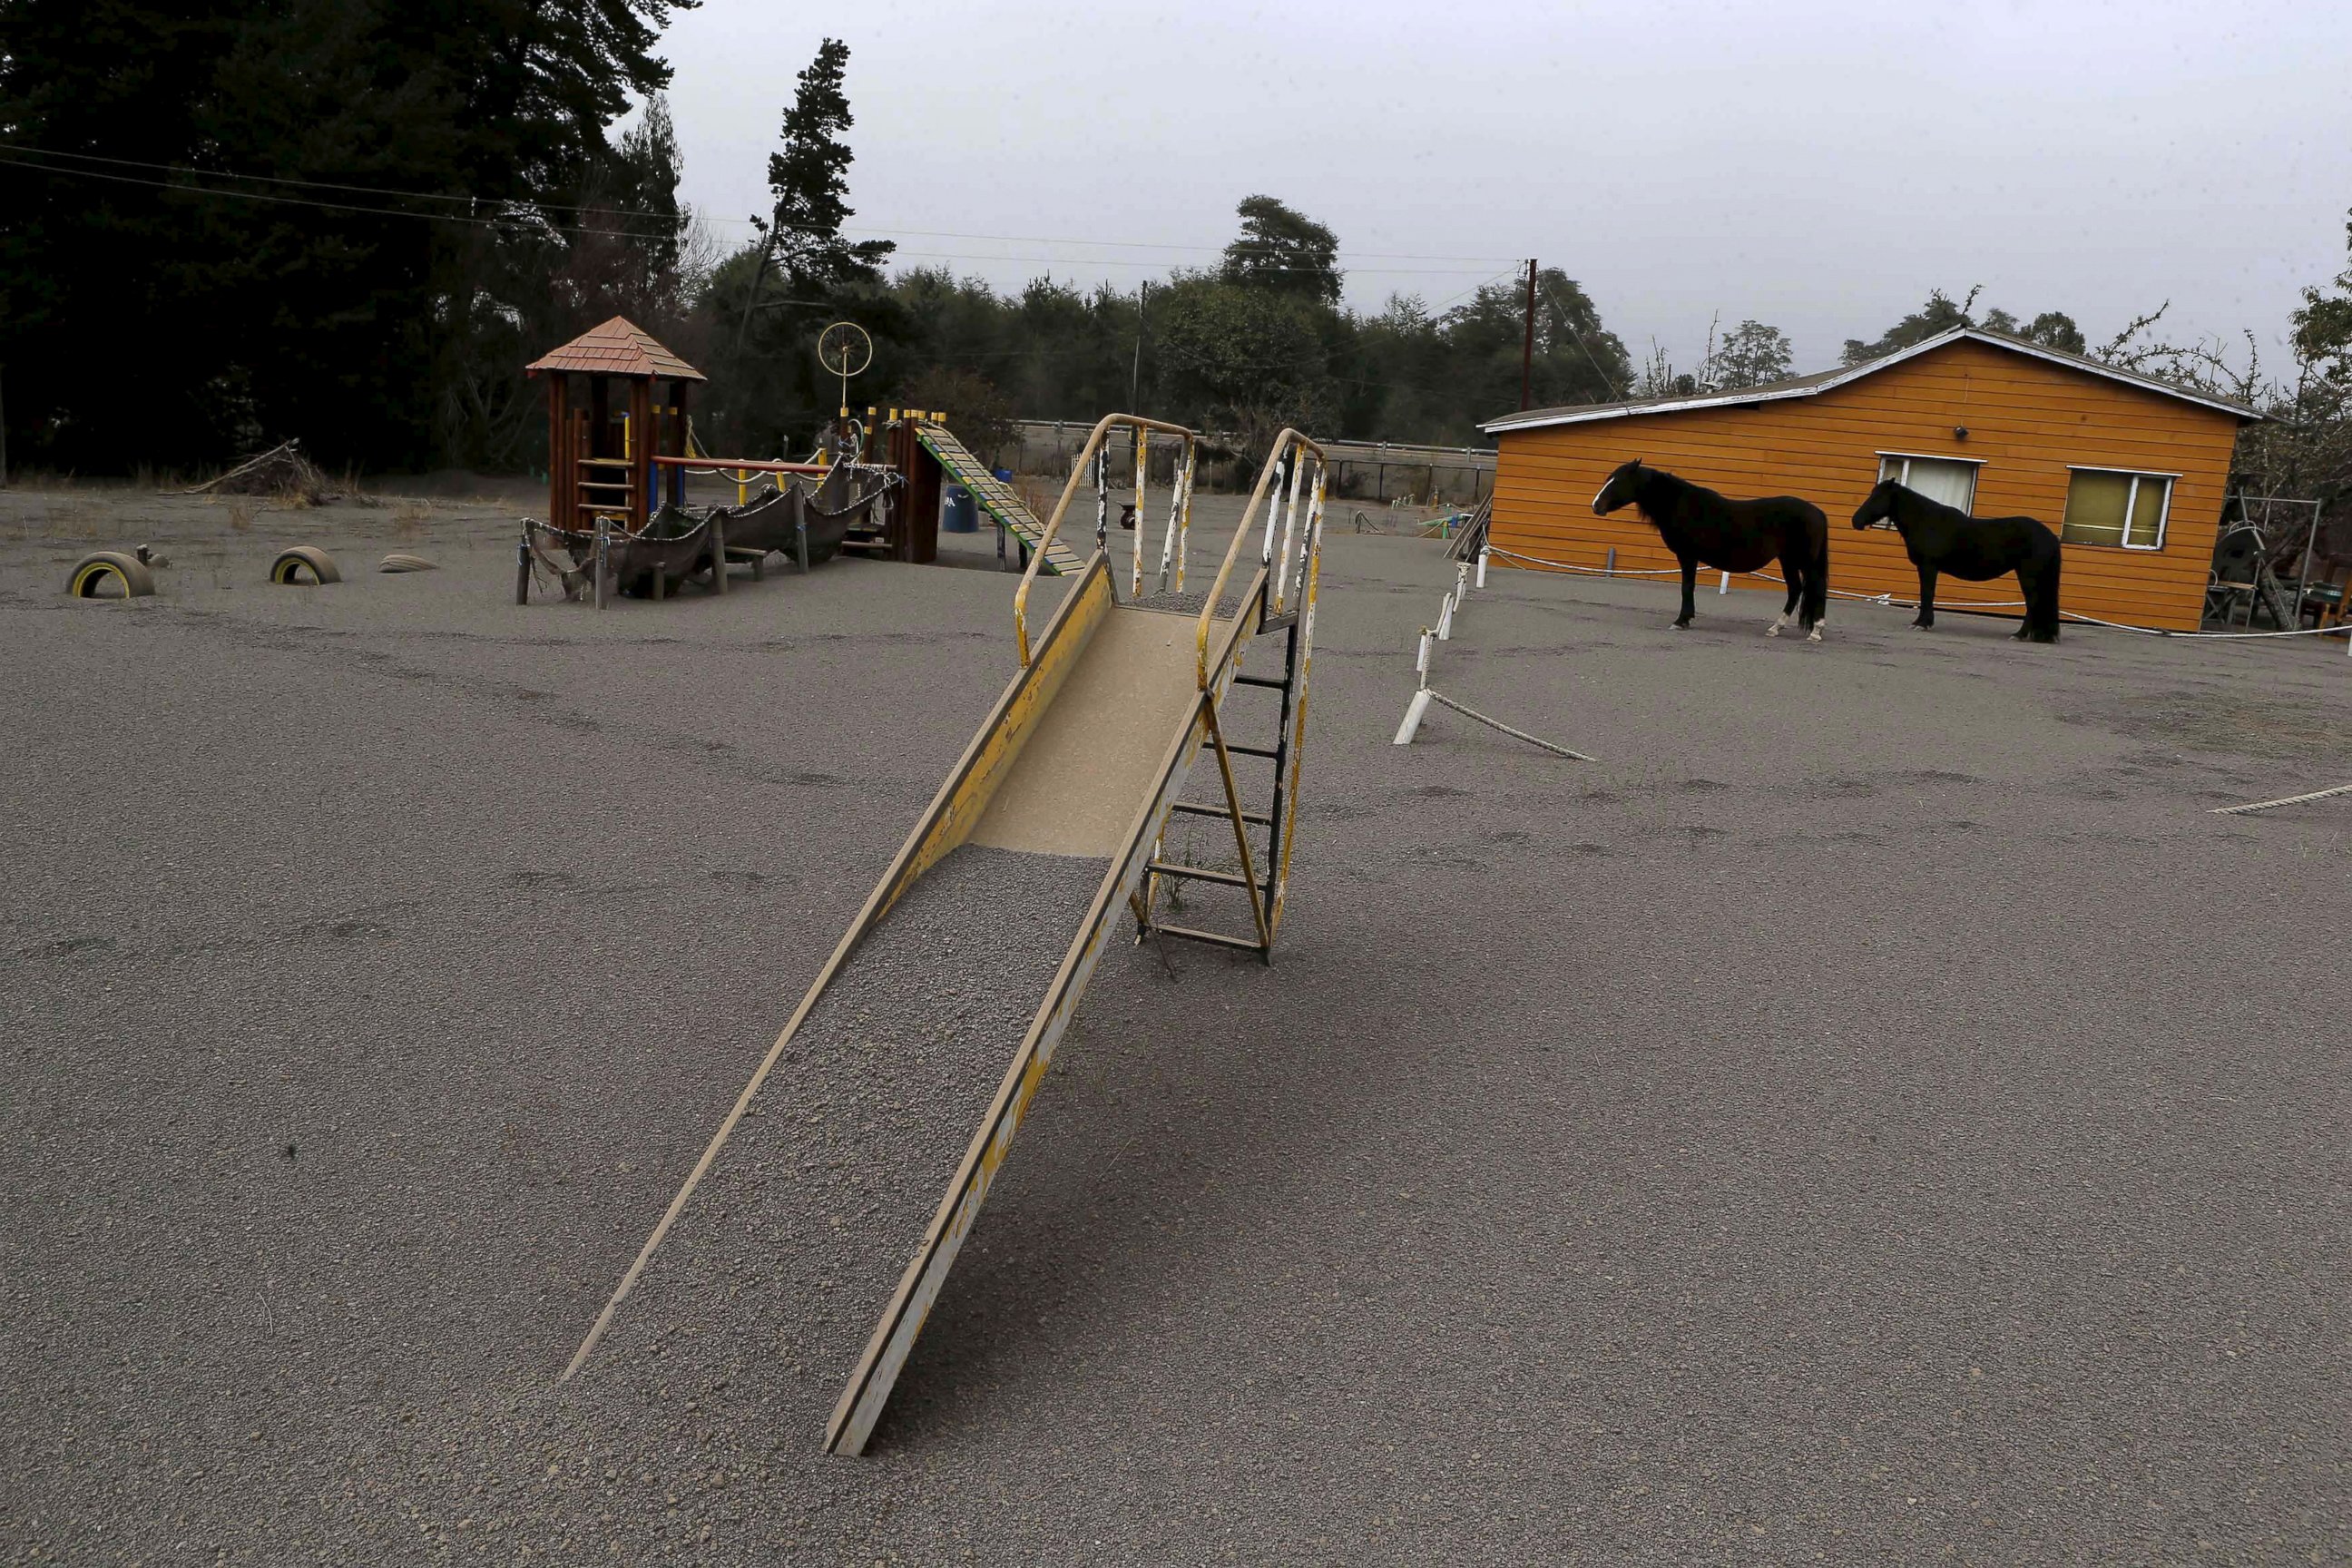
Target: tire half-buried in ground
293, 561
91, 575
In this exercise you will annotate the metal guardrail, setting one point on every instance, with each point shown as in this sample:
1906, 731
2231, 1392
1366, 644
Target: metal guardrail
1094, 452
1288, 577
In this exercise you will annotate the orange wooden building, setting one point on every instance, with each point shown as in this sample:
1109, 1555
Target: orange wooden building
2130, 471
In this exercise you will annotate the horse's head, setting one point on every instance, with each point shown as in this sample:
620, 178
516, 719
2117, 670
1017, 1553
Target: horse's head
1879, 505
1619, 491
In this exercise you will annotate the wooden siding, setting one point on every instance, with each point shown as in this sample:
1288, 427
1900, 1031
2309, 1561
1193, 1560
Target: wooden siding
2027, 421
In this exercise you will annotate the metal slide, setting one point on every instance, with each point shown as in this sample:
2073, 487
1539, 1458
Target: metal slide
994, 495
1087, 754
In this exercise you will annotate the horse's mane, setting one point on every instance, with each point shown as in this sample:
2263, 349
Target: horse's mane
1674, 482
1925, 503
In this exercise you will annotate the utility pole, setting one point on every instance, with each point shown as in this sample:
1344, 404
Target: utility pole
1527, 348
1135, 375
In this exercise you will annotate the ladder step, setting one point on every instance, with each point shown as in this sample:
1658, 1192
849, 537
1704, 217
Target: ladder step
1262, 680
1201, 874
1214, 939
1240, 750
1191, 808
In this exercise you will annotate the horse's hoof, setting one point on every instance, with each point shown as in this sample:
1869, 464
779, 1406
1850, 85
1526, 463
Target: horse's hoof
1814, 636
1773, 630
1682, 626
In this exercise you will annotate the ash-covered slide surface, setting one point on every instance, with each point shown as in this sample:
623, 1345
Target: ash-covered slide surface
763, 1292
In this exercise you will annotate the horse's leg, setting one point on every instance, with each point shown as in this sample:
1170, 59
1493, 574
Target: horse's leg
1816, 611
1925, 619
2040, 604
1796, 591
1690, 588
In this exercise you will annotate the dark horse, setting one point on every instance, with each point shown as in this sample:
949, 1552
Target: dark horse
1704, 529
1942, 538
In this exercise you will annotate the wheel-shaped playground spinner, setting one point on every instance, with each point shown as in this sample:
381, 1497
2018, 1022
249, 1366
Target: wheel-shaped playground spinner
91, 575
293, 563
843, 349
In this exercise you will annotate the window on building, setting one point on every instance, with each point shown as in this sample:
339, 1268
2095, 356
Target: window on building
2107, 506
1944, 479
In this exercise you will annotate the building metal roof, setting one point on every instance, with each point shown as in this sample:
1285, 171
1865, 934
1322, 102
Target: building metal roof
619, 347
1823, 380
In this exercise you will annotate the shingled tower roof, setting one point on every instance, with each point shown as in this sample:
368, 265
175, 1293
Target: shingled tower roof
619, 347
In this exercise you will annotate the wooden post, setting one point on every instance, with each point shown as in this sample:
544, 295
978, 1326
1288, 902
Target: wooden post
718, 551
597, 561
562, 472
678, 475
642, 442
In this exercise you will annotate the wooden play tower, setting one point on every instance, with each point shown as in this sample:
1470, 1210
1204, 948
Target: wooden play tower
602, 450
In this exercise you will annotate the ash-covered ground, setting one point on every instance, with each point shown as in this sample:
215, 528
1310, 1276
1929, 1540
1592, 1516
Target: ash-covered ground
1876, 1113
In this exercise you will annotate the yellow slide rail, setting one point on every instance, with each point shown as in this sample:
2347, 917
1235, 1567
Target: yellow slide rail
1288, 577
1095, 454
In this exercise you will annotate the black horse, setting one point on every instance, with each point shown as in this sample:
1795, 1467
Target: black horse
1942, 538
1704, 529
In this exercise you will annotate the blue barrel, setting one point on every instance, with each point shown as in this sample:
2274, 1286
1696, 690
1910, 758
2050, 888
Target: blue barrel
963, 516
1003, 476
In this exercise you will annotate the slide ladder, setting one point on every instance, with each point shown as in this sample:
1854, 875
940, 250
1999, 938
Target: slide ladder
1088, 753
994, 495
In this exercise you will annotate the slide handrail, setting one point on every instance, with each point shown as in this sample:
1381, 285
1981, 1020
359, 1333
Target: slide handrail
1285, 573
1091, 453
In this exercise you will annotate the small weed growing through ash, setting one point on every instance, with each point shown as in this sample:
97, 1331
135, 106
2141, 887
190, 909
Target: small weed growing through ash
74, 519
240, 513
408, 518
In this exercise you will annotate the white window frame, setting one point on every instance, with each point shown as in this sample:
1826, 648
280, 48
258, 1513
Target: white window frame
2131, 502
1976, 471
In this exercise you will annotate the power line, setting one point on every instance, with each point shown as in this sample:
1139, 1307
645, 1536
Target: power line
540, 222
473, 200
1568, 320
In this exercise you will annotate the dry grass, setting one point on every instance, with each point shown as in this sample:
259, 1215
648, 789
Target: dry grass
78, 518
409, 517
241, 511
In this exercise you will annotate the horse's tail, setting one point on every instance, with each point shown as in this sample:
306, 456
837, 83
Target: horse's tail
1816, 603
2042, 600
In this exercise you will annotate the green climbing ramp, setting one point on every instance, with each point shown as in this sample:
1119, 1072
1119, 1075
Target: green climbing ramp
994, 495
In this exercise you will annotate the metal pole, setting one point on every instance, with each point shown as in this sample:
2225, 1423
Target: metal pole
2301, 580
1527, 347
1135, 375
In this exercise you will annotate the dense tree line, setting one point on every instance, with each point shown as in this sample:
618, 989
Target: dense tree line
202, 245
355, 221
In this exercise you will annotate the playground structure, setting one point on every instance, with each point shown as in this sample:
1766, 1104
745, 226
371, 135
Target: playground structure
616, 513
617, 517
1087, 754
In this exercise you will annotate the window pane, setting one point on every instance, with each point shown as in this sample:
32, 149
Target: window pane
2147, 528
1954, 484
1890, 469
2095, 508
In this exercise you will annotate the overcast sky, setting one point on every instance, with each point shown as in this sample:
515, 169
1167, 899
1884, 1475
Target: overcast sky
1818, 166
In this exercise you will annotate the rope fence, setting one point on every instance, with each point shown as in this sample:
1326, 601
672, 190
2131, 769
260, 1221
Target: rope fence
1424, 695
2283, 800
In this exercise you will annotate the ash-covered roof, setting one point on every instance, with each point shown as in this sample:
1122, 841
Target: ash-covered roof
1821, 381
619, 347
